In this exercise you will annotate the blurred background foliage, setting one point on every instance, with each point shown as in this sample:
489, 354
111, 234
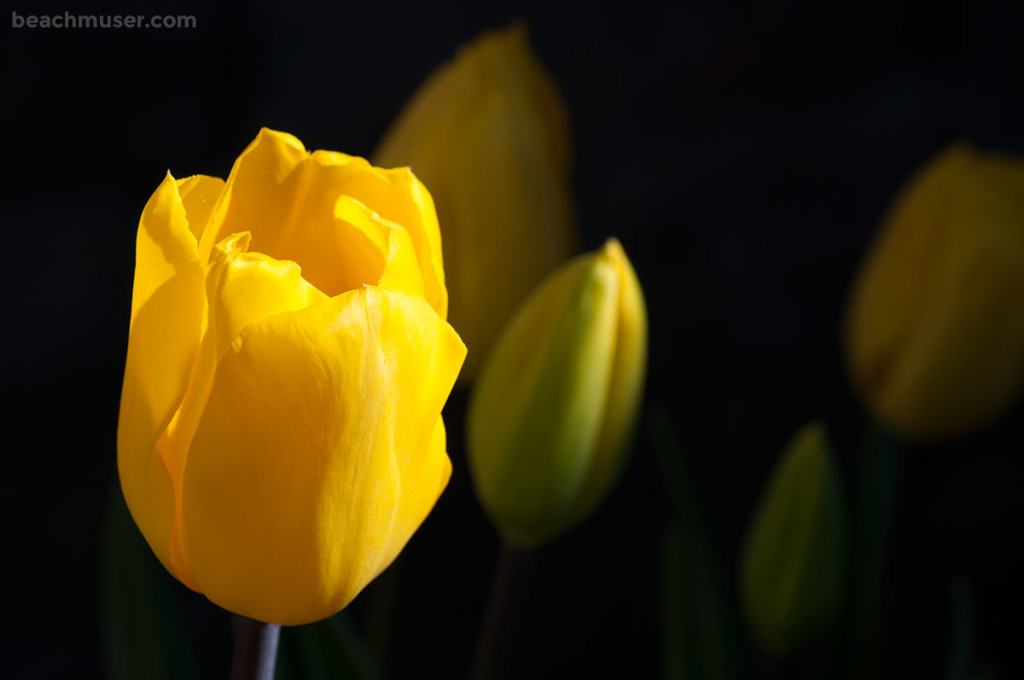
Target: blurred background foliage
743, 155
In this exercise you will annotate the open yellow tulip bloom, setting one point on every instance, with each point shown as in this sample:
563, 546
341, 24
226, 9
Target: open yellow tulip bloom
551, 413
488, 134
280, 433
935, 336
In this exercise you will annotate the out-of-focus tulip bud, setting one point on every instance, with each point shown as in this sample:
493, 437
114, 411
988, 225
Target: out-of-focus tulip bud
280, 435
793, 565
488, 134
934, 336
552, 411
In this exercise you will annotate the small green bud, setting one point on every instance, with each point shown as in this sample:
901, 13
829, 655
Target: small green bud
793, 565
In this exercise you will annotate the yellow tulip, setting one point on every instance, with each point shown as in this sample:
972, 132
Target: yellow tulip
935, 336
551, 413
280, 435
488, 134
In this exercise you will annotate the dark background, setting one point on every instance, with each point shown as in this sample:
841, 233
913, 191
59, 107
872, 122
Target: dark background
742, 154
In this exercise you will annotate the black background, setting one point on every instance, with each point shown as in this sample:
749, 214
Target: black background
743, 153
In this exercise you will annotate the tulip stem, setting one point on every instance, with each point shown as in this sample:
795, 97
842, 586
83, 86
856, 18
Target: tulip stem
879, 481
509, 590
255, 649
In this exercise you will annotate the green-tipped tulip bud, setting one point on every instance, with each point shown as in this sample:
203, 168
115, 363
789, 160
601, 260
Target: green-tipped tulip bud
793, 566
552, 411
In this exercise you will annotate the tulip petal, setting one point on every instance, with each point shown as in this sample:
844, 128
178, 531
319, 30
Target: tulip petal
510, 63
402, 199
168, 309
399, 269
246, 287
286, 201
258, 194
286, 198
432, 472
629, 367
199, 195
317, 453
242, 288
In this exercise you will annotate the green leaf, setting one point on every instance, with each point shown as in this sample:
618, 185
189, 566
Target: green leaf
326, 650
143, 633
793, 568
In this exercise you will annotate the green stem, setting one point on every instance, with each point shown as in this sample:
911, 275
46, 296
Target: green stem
879, 477
501, 620
700, 631
255, 649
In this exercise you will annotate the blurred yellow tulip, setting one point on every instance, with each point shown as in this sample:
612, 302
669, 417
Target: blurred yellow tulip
280, 434
551, 413
935, 329
488, 134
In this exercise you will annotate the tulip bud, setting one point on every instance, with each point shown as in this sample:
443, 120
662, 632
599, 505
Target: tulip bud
488, 134
552, 411
934, 335
793, 565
